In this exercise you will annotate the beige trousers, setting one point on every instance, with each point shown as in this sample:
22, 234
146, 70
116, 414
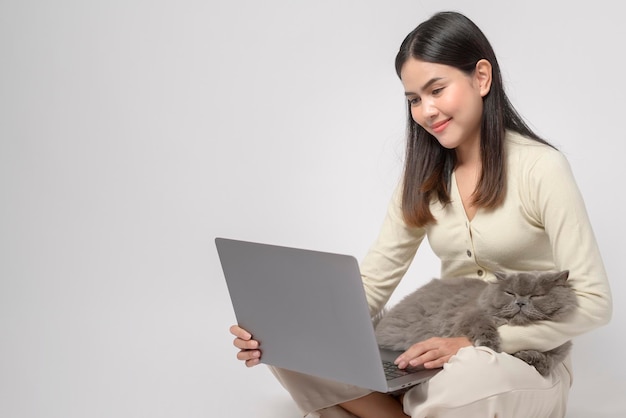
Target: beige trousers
477, 382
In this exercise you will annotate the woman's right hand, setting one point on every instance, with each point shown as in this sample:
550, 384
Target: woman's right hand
248, 348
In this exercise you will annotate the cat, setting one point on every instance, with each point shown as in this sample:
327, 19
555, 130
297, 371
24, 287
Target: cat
475, 308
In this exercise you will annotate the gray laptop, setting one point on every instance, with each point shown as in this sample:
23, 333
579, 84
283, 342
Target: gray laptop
309, 312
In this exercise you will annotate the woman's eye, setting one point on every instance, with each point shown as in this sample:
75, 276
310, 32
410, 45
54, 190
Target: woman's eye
414, 101
437, 91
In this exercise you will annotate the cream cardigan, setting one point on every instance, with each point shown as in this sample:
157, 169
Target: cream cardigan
542, 225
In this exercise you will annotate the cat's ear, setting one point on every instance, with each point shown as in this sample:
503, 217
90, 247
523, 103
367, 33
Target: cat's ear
500, 275
561, 276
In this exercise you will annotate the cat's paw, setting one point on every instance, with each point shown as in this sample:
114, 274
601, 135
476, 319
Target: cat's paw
488, 338
491, 343
536, 359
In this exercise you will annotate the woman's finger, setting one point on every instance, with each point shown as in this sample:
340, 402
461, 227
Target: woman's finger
248, 355
239, 332
246, 344
437, 362
252, 363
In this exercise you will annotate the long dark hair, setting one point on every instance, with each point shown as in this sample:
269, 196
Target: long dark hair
452, 39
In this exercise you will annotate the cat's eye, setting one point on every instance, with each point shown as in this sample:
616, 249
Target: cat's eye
510, 293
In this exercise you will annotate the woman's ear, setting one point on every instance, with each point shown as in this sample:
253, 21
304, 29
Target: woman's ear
482, 76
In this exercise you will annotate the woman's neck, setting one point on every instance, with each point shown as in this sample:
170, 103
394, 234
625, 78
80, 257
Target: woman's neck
468, 154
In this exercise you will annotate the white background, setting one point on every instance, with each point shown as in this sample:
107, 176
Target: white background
132, 133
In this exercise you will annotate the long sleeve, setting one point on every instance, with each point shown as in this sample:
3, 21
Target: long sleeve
390, 257
555, 203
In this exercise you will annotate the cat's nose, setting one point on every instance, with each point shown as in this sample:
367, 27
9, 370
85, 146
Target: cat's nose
520, 303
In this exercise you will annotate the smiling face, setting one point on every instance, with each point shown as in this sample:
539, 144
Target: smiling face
446, 102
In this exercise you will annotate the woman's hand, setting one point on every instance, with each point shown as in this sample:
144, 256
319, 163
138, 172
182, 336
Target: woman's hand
432, 353
248, 348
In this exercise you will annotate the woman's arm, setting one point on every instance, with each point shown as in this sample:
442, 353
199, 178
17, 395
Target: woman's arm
390, 257
556, 203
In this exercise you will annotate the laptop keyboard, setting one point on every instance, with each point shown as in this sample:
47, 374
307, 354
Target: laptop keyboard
392, 371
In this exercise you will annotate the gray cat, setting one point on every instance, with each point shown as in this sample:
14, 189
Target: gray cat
475, 308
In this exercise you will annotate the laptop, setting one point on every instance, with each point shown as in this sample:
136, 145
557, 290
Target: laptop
309, 312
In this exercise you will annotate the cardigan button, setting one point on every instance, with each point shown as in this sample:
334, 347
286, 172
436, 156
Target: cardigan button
469, 253
480, 273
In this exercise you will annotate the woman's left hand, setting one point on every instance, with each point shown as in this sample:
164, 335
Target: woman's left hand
432, 353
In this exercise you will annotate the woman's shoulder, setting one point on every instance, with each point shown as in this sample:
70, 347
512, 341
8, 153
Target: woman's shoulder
527, 153
531, 162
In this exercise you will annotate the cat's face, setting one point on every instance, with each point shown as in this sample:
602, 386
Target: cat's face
522, 298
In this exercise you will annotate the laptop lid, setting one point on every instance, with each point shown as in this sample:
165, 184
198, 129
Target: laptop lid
307, 309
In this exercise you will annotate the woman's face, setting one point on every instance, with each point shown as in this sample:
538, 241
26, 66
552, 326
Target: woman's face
445, 101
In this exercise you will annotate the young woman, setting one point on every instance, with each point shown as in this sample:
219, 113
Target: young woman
490, 195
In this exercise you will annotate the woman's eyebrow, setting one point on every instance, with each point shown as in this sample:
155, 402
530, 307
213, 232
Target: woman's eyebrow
425, 86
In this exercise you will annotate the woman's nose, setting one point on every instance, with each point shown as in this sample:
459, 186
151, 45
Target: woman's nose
429, 110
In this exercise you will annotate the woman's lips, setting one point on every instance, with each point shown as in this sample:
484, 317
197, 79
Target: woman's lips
440, 126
